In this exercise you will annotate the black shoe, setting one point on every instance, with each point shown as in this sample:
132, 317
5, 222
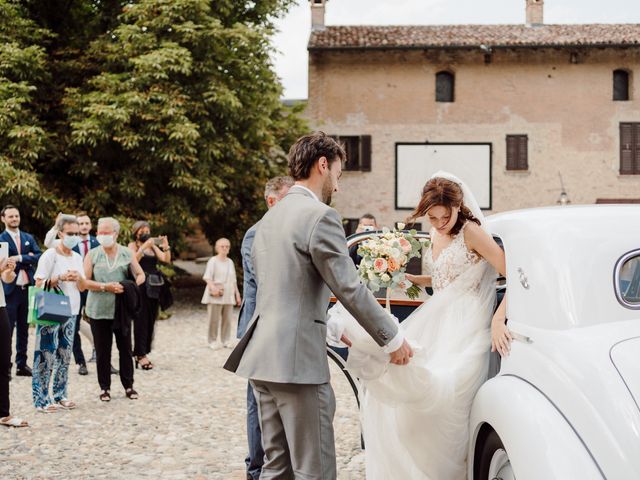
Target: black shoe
83, 370
24, 371
114, 371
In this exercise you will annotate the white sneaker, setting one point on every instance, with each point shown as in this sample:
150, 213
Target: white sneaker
215, 345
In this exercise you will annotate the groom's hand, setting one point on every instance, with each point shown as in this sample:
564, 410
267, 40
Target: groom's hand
403, 355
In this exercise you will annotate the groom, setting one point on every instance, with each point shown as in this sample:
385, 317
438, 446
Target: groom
300, 256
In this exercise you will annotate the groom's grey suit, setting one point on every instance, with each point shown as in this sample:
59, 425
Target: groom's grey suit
300, 256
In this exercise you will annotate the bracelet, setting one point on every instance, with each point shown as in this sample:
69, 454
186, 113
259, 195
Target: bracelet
103, 287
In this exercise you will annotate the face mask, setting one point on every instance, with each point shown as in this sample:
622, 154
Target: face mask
70, 241
144, 237
106, 240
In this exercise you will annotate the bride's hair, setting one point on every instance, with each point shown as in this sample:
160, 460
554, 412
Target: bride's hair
439, 191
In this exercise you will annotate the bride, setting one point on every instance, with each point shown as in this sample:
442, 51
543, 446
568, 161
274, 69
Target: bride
415, 417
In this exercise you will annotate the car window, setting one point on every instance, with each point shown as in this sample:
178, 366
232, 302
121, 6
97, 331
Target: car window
628, 280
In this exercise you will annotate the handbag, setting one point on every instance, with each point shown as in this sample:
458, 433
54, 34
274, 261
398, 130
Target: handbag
33, 314
154, 284
53, 306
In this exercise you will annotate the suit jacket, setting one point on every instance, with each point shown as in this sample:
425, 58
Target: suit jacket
299, 256
28, 263
93, 243
249, 285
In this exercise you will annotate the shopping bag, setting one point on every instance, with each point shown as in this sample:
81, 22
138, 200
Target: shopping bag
33, 315
53, 306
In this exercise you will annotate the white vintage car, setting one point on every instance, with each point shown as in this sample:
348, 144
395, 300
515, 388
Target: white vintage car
565, 403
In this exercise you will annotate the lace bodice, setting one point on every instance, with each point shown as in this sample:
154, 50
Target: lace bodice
454, 259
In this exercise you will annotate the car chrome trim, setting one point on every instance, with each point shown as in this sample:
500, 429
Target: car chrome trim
616, 277
565, 419
618, 370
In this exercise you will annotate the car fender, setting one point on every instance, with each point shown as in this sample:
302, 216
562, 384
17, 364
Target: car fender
537, 437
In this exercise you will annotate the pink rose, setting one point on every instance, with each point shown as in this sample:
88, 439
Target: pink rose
405, 245
380, 265
393, 265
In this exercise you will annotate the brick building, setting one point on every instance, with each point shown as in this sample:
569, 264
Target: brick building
513, 109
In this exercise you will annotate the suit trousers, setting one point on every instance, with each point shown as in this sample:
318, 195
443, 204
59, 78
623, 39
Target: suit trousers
18, 308
255, 458
220, 322
5, 362
297, 430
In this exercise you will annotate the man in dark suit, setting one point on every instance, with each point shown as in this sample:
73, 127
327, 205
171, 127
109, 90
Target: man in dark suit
87, 242
25, 251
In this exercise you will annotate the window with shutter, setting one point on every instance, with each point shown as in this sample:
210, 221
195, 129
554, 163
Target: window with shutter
358, 150
445, 86
630, 148
517, 152
620, 85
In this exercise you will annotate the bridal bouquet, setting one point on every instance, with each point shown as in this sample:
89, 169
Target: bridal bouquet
385, 259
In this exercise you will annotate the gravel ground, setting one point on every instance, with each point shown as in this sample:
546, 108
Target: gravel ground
189, 422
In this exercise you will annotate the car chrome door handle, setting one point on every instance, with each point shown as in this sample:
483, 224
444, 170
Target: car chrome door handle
520, 337
523, 278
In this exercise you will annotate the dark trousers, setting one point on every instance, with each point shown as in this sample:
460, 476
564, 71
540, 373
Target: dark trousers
255, 459
17, 309
78, 356
5, 362
144, 324
103, 334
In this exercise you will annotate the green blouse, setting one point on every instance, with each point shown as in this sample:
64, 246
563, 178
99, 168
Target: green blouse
102, 305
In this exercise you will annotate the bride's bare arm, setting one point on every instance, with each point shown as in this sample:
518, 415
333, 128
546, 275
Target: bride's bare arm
485, 246
420, 280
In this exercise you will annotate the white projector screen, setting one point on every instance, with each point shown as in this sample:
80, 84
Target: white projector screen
415, 163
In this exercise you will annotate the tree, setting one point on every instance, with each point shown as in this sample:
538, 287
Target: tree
184, 120
23, 140
166, 110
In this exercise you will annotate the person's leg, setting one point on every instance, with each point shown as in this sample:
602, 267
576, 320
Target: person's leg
307, 417
22, 328
123, 342
78, 355
154, 310
43, 362
141, 326
85, 329
102, 331
5, 362
215, 312
255, 459
277, 462
226, 328
63, 357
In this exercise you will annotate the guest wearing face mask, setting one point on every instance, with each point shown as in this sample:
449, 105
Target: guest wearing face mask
148, 251
106, 269
63, 268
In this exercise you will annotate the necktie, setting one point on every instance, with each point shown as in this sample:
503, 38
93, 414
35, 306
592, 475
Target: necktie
85, 243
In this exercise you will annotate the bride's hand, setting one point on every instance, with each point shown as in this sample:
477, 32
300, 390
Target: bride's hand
500, 337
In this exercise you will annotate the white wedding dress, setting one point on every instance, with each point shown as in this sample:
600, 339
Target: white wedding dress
415, 417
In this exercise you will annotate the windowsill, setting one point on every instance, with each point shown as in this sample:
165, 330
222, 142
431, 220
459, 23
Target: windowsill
634, 176
519, 173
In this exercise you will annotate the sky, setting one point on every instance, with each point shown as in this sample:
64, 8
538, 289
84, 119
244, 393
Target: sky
291, 41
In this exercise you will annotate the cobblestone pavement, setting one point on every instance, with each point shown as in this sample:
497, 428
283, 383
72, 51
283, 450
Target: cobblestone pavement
189, 422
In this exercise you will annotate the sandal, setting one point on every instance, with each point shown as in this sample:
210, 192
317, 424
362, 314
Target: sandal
146, 365
51, 408
105, 396
13, 422
131, 394
66, 404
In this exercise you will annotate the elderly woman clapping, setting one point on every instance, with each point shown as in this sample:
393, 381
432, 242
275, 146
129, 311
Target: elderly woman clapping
106, 268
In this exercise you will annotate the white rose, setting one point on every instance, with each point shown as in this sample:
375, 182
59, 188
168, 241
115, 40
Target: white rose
401, 226
385, 277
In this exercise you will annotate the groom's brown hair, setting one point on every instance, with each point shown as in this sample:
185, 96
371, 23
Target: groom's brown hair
309, 149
